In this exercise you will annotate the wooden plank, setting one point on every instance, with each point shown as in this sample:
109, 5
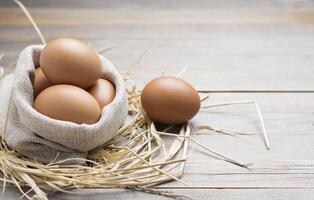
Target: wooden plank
184, 4
290, 155
105, 16
213, 194
258, 65
284, 113
265, 48
226, 194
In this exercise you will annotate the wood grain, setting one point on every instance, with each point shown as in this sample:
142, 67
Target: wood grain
265, 48
235, 50
226, 194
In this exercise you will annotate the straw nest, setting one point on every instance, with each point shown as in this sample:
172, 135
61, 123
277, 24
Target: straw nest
136, 157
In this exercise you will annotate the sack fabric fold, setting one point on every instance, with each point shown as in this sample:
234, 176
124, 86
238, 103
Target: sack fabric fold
45, 139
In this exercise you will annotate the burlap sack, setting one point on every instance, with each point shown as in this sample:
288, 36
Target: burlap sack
45, 139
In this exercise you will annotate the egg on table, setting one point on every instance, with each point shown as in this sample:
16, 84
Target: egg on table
103, 91
40, 82
69, 61
170, 100
68, 103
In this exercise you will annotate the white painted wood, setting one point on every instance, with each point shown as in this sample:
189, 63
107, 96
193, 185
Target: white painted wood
226, 194
284, 113
264, 46
239, 63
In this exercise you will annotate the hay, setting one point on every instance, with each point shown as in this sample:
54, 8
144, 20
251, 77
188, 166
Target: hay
29, 17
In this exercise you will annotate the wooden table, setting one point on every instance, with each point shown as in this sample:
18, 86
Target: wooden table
235, 50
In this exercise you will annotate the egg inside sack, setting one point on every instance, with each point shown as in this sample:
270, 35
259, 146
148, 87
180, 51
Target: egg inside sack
170, 100
103, 91
68, 103
40, 82
69, 61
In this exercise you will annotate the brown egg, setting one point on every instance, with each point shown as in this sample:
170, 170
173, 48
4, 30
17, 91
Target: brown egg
103, 91
68, 103
40, 82
69, 61
170, 100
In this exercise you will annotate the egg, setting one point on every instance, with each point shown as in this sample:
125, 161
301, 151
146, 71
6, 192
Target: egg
69, 61
40, 82
103, 91
68, 103
170, 100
